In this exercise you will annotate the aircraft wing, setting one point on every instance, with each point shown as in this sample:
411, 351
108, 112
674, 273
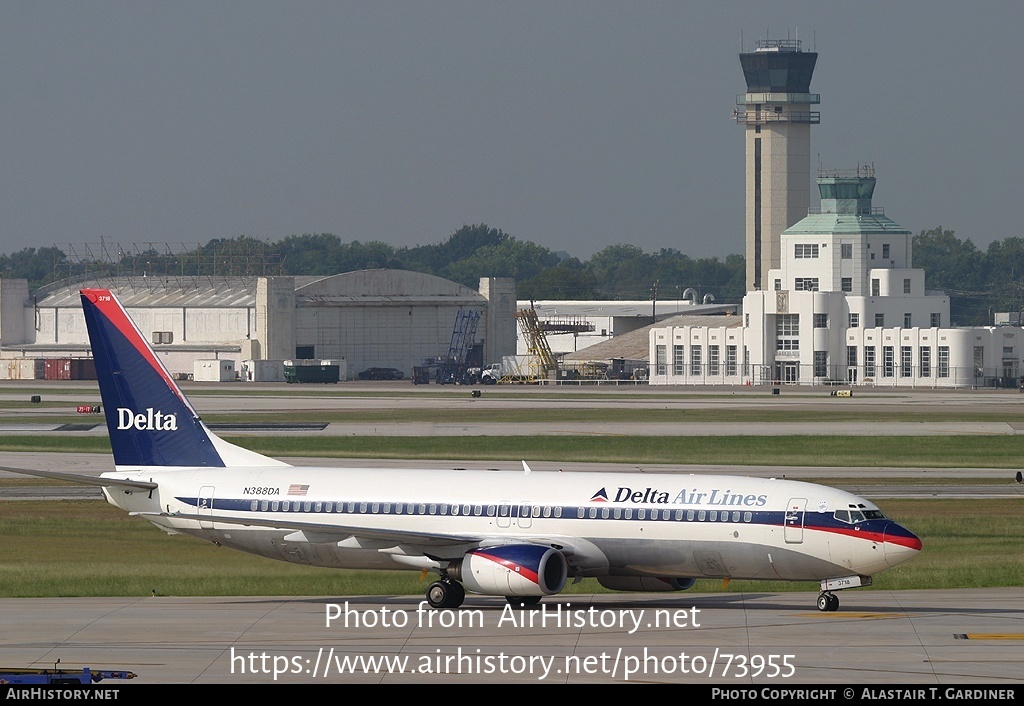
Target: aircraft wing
581, 554
86, 480
317, 533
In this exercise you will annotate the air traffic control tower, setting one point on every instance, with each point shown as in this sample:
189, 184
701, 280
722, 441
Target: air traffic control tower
776, 111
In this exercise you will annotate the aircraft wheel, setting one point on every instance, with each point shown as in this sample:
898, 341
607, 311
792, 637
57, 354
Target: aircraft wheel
445, 594
833, 602
824, 602
524, 601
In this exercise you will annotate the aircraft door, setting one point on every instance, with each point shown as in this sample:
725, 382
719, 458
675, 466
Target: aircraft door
504, 518
794, 521
205, 506
525, 515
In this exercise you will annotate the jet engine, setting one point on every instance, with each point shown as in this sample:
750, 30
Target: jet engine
511, 570
645, 583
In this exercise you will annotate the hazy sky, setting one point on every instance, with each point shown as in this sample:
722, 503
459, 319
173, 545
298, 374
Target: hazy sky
575, 125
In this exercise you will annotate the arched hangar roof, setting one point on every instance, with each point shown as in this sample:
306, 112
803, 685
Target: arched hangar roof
358, 287
384, 287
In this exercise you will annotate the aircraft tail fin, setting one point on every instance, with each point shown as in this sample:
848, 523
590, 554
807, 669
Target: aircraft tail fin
150, 421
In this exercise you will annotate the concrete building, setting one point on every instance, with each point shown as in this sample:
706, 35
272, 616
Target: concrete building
841, 302
777, 121
846, 306
381, 318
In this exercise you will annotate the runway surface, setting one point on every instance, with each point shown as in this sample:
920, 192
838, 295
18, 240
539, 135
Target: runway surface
905, 638
281, 400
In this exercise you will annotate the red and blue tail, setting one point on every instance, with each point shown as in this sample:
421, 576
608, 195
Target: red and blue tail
150, 422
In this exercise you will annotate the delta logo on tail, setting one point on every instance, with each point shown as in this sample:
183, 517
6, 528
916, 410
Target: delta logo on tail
152, 420
600, 496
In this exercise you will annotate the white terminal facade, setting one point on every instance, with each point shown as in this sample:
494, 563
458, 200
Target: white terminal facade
841, 300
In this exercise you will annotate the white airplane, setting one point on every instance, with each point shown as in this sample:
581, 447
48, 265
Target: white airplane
511, 534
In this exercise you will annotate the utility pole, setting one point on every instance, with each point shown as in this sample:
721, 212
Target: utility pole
654, 302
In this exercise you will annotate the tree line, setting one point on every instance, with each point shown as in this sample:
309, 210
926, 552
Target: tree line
978, 282
621, 272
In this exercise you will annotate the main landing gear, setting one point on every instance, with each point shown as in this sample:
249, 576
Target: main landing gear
445, 594
828, 602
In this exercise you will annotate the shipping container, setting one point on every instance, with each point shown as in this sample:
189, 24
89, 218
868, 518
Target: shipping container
310, 372
23, 369
263, 370
213, 371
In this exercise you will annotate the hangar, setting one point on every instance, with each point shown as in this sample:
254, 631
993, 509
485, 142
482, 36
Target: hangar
386, 318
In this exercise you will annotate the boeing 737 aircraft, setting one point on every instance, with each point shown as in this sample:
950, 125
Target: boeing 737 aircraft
520, 535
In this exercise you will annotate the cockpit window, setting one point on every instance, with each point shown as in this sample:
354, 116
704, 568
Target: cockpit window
855, 516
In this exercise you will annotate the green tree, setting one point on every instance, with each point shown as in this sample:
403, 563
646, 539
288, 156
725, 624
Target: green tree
509, 258
460, 245
955, 267
37, 266
567, 280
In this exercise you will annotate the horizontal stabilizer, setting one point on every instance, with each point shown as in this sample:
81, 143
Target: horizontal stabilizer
97, 481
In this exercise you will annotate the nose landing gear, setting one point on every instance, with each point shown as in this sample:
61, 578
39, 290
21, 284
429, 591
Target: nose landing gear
828, 602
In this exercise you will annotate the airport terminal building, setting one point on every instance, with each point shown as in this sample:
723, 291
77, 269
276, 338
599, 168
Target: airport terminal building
846, 306
832, 294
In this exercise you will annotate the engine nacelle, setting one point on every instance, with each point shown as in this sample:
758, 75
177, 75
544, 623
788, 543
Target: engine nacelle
511, 570
645, 583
